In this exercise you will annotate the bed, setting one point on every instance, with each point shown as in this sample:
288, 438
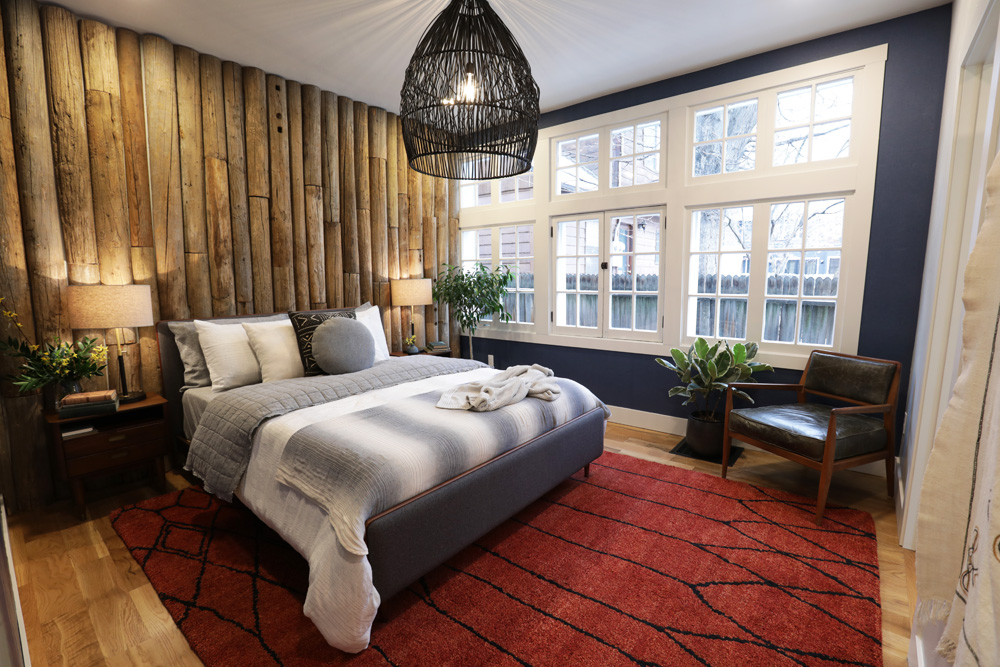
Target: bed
409, 538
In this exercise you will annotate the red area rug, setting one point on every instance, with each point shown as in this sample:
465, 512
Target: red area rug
639, 564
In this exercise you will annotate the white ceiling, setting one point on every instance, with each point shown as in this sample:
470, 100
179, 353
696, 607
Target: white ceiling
578, 49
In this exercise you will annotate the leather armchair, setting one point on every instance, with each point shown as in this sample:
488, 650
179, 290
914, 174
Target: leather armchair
819, 436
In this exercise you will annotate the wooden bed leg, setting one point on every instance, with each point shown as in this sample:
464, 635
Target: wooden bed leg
586, 470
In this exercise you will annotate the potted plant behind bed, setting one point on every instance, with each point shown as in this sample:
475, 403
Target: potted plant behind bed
473, 295
704, 372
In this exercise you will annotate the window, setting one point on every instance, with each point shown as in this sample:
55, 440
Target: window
813, 123
576, 162
518, 188
474, 193
635, 154
607, 274
719, 280
477, 248
803, 271
725, 147
517, 251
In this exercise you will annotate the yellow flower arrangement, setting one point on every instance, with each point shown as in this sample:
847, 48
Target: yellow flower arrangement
57, 361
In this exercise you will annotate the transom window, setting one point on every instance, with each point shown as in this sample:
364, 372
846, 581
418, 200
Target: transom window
813, 123
517, 251
474, 193
635, 154
719, 272
725, 138
518, 188
607, 274
803, 271
576, 161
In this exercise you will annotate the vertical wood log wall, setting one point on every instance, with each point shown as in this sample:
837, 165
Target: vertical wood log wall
228, 190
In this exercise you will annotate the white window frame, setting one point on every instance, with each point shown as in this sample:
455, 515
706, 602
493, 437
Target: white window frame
851, 177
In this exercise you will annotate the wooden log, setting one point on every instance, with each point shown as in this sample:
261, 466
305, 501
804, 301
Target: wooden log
133, 107
105, 136
348, 203
378, 202
258, 187
64, 74
429, 246
392, 201
441, 219
282, 232
29, 458
193, 181
260, 248
403, 233
312, 176
334, 261
415, 222
363, 195
14, 286
258, 147
232, 89
300, 252
32, 142
165, 176
217, 207
454, 257
144, 272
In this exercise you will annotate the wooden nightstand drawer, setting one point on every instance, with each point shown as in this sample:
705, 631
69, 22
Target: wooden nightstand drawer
118, 438
116, 457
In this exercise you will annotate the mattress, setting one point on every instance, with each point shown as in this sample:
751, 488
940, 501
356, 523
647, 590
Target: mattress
195, 401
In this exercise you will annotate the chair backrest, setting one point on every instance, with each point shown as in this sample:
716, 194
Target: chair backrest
857, 379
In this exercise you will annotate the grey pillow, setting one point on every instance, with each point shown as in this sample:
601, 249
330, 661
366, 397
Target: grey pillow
341, 345
195, 368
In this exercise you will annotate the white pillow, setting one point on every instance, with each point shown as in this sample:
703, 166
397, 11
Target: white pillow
230, 359
276, 349
370, 317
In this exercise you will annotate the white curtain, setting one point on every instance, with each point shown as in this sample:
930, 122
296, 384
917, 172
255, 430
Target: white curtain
958, 531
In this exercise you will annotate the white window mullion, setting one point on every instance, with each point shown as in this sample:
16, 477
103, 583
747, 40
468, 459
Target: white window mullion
758, 271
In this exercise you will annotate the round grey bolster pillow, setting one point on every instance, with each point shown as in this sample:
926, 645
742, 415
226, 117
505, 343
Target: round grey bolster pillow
342, 345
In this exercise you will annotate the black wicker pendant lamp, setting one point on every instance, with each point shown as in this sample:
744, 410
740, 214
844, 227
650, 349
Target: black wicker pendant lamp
469, 105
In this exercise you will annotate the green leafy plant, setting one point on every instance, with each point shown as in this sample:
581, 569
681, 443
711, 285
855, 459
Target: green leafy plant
57, 361
473, 295
705, 371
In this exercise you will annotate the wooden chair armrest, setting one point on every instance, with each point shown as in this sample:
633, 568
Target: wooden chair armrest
766, 385
860, 409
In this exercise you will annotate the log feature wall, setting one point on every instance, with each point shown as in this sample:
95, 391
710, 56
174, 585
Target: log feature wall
228, 190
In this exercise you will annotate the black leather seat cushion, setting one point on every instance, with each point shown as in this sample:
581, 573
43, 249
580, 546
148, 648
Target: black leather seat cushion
802, 427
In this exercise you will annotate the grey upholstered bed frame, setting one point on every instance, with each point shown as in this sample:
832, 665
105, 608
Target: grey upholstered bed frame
412, 538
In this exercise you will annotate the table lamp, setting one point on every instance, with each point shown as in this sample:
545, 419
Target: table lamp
112, 307
411, 292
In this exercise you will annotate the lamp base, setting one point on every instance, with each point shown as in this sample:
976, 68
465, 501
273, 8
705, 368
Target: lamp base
131, 397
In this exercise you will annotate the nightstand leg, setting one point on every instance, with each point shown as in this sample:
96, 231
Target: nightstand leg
78, 498
160, 475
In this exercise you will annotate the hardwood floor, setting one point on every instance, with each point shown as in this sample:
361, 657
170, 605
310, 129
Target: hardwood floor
87, 602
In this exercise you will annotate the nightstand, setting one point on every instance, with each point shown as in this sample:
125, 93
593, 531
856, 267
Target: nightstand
441, 353
136, 434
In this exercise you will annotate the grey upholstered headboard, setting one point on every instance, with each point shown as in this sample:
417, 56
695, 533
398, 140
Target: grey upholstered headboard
172, 368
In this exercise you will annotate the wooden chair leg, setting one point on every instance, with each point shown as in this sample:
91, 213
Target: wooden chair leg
586, 470
825, 476
727, 442
890, 473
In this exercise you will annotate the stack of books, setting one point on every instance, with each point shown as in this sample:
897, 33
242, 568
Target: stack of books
88, 404
438, 346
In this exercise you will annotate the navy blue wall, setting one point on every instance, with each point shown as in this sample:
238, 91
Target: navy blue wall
911, 118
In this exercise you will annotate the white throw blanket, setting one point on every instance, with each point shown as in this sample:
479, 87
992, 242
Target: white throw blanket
511, 386
958, 536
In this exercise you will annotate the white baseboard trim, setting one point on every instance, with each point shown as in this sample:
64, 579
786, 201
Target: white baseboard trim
653, 421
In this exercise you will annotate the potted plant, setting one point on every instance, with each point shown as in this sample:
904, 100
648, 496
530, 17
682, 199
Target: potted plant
58, 362
705, 373
473, 295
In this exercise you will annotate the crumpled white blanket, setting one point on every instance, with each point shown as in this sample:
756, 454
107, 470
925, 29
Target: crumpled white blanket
511, 386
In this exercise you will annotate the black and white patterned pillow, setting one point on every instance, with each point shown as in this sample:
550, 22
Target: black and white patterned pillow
305, 324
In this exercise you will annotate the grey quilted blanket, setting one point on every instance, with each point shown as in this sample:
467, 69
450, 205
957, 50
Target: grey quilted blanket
357, 465
220, 448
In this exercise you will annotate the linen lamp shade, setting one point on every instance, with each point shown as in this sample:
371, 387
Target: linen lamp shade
411, 292
112, 307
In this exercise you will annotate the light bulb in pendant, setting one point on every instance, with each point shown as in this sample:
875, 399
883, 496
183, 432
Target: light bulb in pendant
468, 91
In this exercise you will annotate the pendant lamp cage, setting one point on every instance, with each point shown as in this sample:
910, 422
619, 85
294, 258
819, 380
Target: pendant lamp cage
469, 106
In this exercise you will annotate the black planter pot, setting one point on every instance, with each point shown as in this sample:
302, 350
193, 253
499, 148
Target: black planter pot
704, 437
